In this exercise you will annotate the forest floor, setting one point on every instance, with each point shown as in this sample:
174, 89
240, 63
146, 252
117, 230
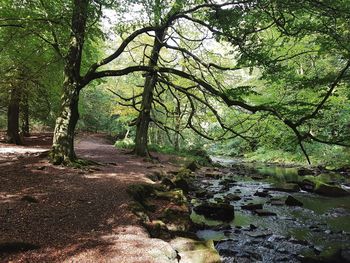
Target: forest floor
63, 214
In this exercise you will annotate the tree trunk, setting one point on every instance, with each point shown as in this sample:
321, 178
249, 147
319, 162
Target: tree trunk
144, 117
177, 126
13, 135
25, 115
63, 142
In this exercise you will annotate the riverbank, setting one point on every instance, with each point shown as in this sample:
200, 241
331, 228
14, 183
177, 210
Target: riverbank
256, 213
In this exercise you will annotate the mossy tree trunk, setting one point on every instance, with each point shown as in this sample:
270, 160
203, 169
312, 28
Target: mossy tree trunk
144, 117
63, 141
13, 135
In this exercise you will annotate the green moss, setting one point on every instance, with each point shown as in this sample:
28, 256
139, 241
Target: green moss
196, 251
184, 172
176, 196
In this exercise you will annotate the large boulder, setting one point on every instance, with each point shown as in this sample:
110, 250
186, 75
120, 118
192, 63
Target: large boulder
194, 251
307, 185
331, 190
216, 211
291, 201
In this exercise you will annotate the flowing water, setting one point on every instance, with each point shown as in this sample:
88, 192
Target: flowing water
318, 228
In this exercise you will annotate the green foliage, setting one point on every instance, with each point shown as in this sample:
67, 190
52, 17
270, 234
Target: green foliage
191, 153
287, 56
125, 144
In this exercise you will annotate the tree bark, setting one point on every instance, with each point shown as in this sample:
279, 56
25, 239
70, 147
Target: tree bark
177, 125
25, 115
177, 130
144, 117
13, 135
63, 142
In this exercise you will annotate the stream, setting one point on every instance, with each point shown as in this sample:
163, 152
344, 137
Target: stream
317, 231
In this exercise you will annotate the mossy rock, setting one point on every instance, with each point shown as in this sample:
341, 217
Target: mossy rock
325, 189
305, 171
195, 251
157, 175
184, 172
292, 201
177, 219
307, 185
168, 183
287, 187
331, 190
182, 183
193, 166
158, 229
176, 196
138, 209
141, 191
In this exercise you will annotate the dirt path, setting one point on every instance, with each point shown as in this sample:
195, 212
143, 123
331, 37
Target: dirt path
58, 214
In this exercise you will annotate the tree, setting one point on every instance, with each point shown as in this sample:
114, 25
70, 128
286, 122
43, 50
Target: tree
274, 36
24, 58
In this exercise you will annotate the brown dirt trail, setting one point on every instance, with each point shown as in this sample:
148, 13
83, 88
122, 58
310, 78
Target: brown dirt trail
59, 214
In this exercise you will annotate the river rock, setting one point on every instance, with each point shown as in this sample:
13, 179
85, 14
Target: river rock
277, 202
219, 211
227, 181
262, 212
182, 183
225, 188
177, 218
193, 166
307, 185
168, 183
288, 187
232, 197
305, 171
331, 190
264, 193
218, 199
298, 241
291, 201
201, 193
252, 206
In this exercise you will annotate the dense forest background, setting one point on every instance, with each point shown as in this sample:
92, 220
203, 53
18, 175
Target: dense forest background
263, 80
